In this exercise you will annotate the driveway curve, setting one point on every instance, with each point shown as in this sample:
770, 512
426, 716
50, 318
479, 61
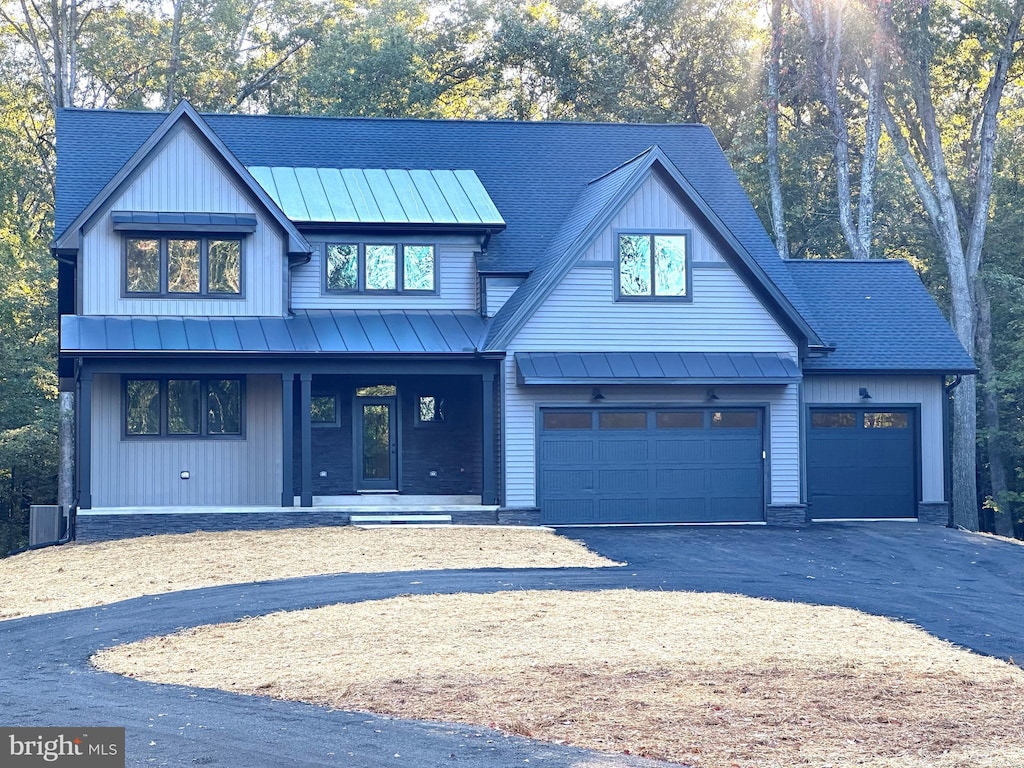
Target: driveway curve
966, 589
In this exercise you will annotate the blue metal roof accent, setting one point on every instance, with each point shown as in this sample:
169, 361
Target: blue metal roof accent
377, 195
879, 316
161, 221
707, 368
313, 331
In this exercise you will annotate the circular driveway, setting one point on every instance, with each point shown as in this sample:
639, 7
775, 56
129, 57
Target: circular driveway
963, 588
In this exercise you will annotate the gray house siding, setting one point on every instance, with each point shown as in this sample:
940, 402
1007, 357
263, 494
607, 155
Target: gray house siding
498, 290
226, 472
182, 177
923, 391
581, 315
457, 279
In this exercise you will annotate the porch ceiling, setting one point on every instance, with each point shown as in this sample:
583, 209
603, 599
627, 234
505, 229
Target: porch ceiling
331, 331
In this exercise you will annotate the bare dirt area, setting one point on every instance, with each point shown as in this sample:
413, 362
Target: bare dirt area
83, 575
708, 680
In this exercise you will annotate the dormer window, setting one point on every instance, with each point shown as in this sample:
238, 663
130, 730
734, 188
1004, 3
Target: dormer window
653, 266
179, 265
386, 267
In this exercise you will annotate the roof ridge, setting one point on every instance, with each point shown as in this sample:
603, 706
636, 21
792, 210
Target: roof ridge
847, 261
391, 120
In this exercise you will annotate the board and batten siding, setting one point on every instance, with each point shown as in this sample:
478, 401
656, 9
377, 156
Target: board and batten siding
653, 207
225, 472
182, 176
582, 315
457, 282
925, 391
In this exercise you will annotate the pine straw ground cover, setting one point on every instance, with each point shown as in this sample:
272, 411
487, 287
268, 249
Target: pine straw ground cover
708, 680
83, 575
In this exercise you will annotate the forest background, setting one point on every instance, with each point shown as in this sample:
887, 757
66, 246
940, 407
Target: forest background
860, 129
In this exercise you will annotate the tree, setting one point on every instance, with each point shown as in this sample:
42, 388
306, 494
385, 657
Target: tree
950, 54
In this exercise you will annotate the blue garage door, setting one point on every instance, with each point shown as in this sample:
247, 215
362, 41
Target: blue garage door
648, 465
862, 463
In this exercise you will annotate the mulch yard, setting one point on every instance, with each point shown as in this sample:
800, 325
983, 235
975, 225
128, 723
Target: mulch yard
708, 680
83, 575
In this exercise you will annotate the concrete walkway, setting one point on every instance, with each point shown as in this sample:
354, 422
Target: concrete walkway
963, 588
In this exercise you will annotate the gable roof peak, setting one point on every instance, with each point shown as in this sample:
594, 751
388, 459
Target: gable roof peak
69, 239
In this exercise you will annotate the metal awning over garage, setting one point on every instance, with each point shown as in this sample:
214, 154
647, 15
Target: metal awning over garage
655, 368
313, 331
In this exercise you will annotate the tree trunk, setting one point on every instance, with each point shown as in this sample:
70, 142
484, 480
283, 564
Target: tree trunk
175, 63
990, 408
66, 438
772, 130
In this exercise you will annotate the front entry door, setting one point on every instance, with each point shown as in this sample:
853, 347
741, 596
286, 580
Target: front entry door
377, 451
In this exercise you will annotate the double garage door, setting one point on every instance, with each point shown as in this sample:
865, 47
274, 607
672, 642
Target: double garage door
650, 465
862, 463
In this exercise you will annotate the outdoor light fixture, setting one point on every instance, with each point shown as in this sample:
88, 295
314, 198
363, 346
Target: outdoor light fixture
185, 475
712, 396
596, 394
864, 394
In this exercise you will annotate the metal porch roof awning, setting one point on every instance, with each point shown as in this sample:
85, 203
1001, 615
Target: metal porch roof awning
373, 196
313, 331
656, 368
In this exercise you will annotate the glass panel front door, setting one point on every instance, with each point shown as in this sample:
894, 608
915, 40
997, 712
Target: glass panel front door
377, 444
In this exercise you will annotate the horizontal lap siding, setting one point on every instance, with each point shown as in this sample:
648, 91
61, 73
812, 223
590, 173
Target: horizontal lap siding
182, 177
458, 285
500, 290
927, 391
144, 473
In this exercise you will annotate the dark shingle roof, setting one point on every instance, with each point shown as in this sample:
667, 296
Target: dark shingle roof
534, 172
879, 315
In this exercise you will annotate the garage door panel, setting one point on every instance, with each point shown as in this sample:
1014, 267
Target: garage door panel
671, 479
864, 468
725, 509
742, 482
562, 481
682, 467
733, 448
619, 480
693, 449
619, 450
568, 510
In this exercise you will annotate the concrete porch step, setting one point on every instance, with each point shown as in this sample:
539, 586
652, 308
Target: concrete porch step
400, 519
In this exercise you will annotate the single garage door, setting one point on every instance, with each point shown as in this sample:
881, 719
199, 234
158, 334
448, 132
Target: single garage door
650, 465
862, 463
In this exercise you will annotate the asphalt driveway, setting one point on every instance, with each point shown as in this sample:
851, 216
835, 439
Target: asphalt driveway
963, 588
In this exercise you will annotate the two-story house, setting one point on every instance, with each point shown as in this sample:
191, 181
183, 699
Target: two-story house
291, 320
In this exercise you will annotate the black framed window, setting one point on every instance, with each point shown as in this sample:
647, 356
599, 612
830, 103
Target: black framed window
430, 409
653, 266
384, 267
183, 406
323, 411
178, 265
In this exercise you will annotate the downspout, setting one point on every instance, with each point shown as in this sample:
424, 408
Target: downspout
294, 261
947, 433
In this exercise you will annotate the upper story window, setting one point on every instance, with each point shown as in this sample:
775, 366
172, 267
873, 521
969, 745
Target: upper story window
170, 266
366, 267
653, 266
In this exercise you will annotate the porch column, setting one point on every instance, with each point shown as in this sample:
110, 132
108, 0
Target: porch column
288, 439
488, 490
85, 440
305, 397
